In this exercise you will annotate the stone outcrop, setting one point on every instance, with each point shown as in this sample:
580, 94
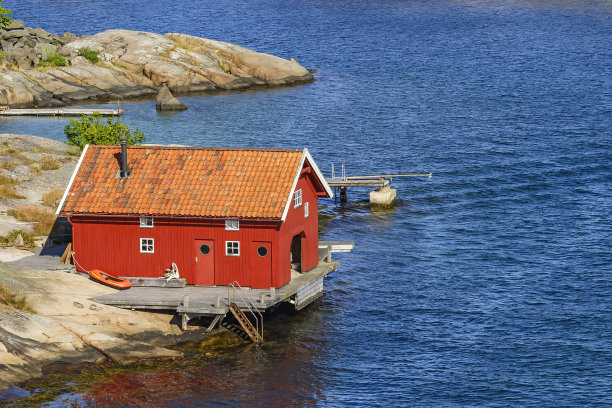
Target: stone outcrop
132, 64
167, 102
69, 328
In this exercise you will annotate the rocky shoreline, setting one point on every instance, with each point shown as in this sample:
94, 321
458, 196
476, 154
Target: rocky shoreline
128, 65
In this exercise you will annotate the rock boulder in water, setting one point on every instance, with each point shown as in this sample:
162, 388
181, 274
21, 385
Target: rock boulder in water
167, 102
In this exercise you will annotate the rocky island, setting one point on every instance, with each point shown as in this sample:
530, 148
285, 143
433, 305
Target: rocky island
39, 69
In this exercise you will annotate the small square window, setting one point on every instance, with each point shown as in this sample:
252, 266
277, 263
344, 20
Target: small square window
232, 225
306, 209
232, 248
147, 245
297, 198
146, 222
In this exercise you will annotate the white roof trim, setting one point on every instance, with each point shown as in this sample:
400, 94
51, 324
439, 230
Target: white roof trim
61, 204
328, 190
320, 175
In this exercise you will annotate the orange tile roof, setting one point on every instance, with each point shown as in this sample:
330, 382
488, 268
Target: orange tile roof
199, 182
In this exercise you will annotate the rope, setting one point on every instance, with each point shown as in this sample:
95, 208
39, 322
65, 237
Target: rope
77, 262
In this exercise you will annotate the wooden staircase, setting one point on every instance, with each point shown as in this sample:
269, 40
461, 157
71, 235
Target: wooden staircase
246, 324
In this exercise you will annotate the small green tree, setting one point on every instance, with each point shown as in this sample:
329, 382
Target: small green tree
4, 15
91, 130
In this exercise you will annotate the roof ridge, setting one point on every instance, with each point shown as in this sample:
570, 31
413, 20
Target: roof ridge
166, 147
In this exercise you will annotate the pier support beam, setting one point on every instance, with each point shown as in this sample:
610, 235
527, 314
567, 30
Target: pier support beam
384, 196
343, 194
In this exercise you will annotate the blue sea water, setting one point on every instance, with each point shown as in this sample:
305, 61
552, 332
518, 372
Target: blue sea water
489, 284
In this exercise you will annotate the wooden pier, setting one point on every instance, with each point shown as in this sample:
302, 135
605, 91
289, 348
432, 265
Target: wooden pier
60, 112
382, 195
216, 301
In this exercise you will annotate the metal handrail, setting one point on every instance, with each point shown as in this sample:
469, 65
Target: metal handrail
249, 304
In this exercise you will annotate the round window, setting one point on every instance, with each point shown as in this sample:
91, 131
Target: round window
262, 251
204, 249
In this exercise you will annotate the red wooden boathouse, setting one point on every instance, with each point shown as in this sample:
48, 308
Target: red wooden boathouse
220, 214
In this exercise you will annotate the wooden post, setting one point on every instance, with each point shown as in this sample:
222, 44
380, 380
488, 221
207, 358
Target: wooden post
343, 194
217, 302
184, 320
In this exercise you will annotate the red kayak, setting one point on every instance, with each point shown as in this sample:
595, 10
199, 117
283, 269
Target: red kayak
110, 280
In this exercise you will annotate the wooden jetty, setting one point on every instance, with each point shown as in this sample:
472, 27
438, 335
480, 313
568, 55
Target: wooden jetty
217, 301
383, 194
61, 112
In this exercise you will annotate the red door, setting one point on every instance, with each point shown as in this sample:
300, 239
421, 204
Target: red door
261, 265
204, 262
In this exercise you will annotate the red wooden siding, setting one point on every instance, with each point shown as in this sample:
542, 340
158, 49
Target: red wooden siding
112, 244
295, 224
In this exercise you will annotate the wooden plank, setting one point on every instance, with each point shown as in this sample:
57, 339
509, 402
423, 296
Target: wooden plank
67, 255
338, 246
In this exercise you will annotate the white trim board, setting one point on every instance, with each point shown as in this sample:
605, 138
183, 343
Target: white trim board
61, 204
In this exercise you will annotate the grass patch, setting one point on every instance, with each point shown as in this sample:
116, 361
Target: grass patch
7, 188
54, 60
42, 216
186, 44
28, 239
52, 198
6, 181
8, 165
10, 299
91, 55
35, 169
49, 163
9, 192
73, 153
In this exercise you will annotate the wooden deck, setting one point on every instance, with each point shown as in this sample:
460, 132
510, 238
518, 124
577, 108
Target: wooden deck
55, 112
212, 300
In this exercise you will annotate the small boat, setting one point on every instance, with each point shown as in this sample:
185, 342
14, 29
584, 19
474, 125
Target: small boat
110, 280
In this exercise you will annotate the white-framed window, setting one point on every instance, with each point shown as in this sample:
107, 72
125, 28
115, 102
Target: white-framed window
306, 209
232, 248
232, 225
146, 222
297, 198
147, 246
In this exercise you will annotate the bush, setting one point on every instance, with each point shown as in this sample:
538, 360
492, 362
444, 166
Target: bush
54, 60
91, 55
91, 130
